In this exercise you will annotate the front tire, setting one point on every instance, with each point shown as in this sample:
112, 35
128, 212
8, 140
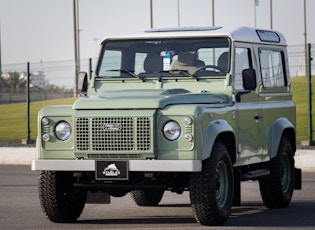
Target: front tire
60, 201
277, 189
211, 191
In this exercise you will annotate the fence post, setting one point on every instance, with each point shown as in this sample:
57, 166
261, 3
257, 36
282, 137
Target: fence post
309, 77
28, 139
90, 68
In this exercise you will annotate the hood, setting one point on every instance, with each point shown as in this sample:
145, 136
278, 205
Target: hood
146, 99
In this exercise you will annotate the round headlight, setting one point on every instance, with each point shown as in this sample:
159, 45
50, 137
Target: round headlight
171, 130
63, 131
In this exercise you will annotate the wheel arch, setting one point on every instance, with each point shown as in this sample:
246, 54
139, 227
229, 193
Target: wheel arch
219, 130
281, 127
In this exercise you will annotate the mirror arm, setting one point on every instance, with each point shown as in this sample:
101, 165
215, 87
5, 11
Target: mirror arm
238, 94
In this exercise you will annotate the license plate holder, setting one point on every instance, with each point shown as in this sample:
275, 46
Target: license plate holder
111, 170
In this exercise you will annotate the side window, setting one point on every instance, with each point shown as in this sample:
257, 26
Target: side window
242, 61
272, 68
111, 63
139, 62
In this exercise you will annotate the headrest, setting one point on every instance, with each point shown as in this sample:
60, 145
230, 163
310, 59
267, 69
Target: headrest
187, 58
153, 63
223, 60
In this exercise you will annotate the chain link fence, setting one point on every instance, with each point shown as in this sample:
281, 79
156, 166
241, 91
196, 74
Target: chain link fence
52, 80
48, 80
302, 87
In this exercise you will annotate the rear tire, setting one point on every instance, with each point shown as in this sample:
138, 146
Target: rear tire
60, 201
211, 191
277, 189
147, 197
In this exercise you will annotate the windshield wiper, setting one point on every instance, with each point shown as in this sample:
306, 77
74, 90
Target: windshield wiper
185, 72
130, 72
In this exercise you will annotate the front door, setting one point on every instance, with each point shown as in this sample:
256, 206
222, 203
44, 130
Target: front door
249, 129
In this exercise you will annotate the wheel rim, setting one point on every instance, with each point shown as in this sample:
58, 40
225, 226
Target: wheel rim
222, 184
285, 173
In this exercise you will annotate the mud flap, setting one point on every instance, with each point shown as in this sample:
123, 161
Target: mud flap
298, 179
237, 187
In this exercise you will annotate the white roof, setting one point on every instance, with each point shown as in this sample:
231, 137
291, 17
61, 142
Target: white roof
244, 34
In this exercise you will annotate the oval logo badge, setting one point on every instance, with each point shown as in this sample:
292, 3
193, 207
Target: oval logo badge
112, 127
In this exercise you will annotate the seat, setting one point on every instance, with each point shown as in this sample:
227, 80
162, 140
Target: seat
223, 61
187, 61
153, 63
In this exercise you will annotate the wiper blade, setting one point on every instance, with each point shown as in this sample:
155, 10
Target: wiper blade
185, 72
130, 72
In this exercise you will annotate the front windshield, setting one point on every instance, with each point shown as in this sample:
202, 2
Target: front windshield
164, 57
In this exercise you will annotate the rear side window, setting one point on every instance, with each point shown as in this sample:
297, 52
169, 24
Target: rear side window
272, 68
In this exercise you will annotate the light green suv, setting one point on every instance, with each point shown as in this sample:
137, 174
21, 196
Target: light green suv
186, 109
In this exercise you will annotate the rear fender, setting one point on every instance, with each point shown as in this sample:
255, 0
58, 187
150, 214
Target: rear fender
276, 131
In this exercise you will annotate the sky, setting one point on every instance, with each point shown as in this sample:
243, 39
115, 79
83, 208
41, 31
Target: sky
42, 30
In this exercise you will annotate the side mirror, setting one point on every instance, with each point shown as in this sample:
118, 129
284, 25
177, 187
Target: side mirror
249, 79
82, 83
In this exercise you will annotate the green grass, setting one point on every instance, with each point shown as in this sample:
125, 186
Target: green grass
13, 118
13, 124
300, 97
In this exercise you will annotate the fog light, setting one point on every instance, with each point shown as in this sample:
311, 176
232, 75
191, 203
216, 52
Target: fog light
188, 120
46, 137
45, 121
188, 137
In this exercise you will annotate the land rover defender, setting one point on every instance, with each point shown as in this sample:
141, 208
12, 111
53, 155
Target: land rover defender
185, 109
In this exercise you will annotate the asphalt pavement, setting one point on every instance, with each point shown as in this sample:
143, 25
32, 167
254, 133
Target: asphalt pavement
20, 209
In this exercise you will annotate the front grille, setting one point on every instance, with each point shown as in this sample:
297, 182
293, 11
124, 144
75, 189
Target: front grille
113, 134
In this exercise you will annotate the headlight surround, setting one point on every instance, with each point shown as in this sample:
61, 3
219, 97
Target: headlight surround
171, 130
63, 130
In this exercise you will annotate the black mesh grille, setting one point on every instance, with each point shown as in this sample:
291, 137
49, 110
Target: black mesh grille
113, 134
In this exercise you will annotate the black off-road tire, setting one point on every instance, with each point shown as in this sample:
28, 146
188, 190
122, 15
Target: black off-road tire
277, 189
211, 191
147, 197
60, 201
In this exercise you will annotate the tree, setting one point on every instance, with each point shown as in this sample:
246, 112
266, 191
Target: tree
14, 83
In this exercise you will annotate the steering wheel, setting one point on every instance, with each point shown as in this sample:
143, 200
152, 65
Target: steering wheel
203, 68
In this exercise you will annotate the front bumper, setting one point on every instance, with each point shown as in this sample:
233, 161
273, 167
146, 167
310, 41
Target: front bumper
133, 165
